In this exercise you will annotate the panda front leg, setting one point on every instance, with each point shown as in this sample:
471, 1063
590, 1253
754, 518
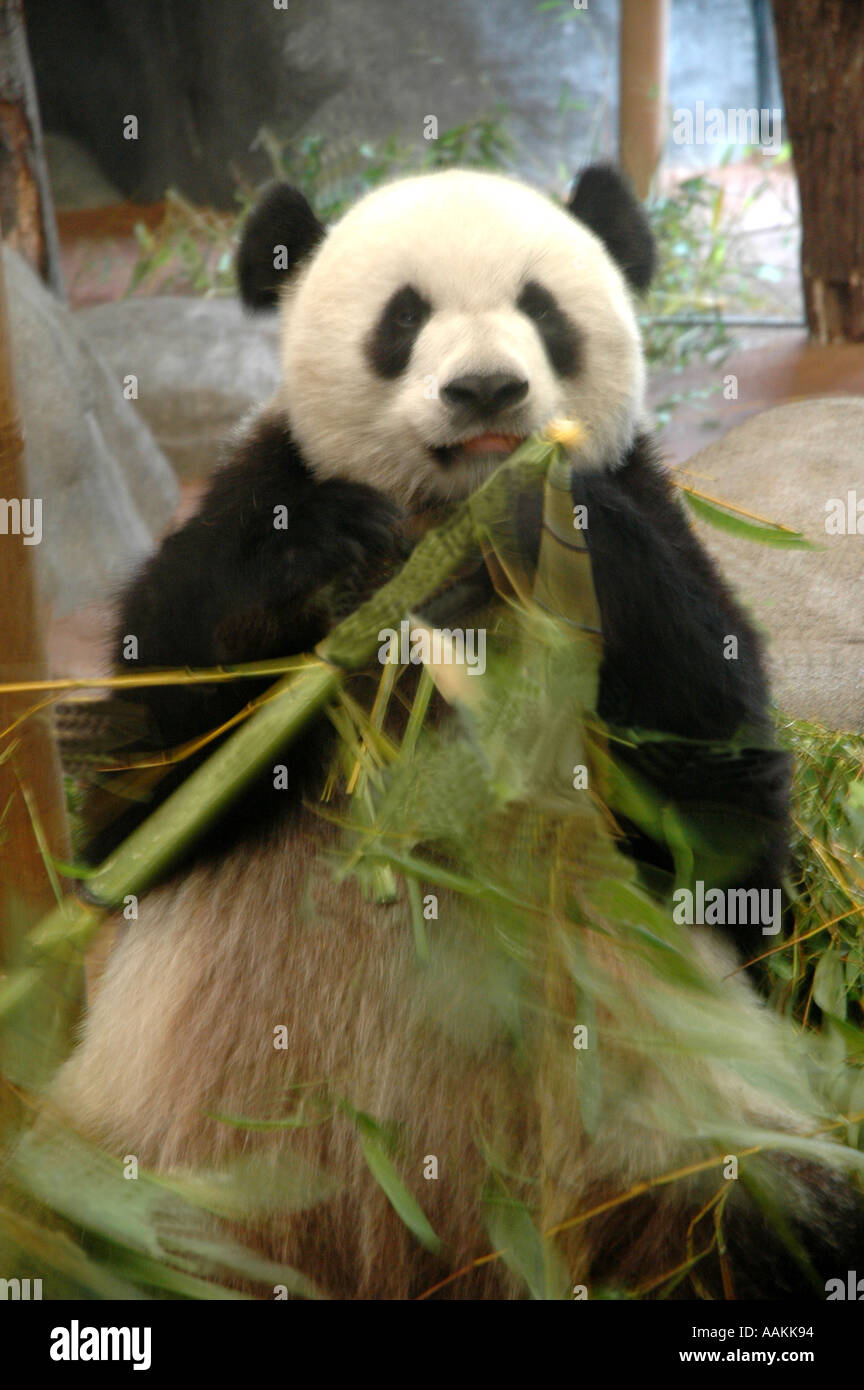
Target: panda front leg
270, 561
682, 659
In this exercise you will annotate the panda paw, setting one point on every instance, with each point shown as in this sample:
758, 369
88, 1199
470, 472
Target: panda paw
359, 540
359, 527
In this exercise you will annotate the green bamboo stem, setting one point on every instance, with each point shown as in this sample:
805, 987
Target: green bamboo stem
156, 844
197, 802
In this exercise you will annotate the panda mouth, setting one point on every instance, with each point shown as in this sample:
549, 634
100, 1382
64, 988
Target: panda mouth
489, 444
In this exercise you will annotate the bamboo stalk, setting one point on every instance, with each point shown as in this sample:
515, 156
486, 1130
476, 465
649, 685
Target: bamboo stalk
157, 844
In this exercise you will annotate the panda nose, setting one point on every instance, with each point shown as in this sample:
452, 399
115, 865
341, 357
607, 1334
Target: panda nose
485, 395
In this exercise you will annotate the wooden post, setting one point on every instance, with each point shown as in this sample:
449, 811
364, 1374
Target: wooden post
31, 794
642, 89
26, 205
820, 45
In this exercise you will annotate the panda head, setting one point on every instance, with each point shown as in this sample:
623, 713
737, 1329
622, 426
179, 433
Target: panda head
445, 317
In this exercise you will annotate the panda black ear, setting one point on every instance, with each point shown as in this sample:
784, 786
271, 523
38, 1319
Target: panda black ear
280, 231
603, 199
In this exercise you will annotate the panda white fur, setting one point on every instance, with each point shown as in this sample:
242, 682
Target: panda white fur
471, 245
441, 320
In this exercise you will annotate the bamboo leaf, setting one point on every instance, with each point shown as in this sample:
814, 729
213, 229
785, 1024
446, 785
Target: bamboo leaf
738, 525
829, 985
405, 1205
523, 1248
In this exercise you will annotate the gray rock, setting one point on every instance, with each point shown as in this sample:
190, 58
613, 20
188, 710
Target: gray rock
200, 364
786, 465
106, 488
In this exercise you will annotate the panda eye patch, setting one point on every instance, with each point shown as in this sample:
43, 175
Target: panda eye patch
389, 345
560, 336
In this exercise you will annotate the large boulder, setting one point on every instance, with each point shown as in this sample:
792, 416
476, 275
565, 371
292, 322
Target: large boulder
200, 365
106, 488
786, 465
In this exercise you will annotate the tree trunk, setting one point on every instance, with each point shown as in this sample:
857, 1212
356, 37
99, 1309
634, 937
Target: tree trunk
820, 46
31, 796
642, 64
26, 205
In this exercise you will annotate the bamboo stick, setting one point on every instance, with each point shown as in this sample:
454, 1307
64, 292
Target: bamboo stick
156, 845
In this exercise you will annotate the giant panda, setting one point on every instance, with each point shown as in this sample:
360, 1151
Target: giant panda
440, 321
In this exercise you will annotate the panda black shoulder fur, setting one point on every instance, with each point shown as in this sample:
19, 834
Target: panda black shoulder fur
444, 318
